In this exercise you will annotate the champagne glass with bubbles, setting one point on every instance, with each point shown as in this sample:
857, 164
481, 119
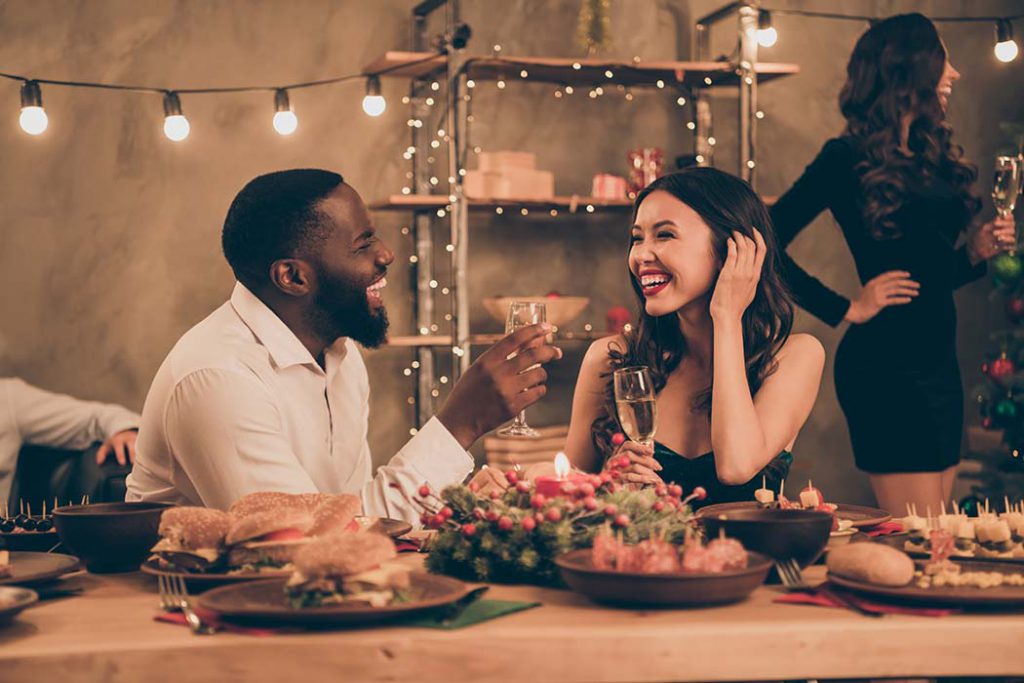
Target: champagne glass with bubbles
635, 404
523, 314
1006, 184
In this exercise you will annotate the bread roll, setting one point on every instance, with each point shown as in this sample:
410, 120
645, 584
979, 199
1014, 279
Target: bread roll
871, 563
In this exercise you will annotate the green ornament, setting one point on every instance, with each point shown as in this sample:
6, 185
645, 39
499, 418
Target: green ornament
1006, 409
1007, 268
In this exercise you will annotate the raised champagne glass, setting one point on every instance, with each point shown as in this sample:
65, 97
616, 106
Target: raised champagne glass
522, 314
635, 403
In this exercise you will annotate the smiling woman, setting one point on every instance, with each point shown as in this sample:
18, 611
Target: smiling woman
702, 263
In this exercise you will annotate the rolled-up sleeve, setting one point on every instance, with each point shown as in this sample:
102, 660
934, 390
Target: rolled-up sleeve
432, 457
228, 439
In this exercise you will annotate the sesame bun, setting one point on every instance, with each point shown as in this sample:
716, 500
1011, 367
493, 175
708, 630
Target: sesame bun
194, 527
257, 524
344, 554
334, 513
263, 501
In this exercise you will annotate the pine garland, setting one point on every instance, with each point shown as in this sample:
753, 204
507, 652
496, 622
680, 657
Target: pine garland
516, 536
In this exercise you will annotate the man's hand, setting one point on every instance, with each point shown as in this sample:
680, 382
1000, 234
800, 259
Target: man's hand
504, 380
122, 445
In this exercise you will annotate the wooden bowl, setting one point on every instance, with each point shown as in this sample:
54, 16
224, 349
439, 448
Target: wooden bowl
109, 537
799, 535
561, 310
678, 589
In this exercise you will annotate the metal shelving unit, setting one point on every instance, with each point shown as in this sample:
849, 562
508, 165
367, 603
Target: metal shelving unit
460, 72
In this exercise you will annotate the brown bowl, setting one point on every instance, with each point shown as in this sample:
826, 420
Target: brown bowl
109, 537
628, 589
799, 535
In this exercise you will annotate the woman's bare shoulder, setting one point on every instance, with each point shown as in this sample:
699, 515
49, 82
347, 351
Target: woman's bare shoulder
802, 347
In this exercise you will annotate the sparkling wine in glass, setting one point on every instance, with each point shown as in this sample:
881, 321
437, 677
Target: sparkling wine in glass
523, 314
635, 404
1007, 184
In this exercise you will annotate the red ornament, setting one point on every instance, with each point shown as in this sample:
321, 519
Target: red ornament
659, 505
473, 486
491, 516
523, 487
495, 495
700, 493
1015, 309
505, 523
529, 523
610, 509
478, 513
675, 490
622, 520
1000, 369
987, 423
424, 491
511, 477
618, 438
468, 529
590, 503
446, 512
538, 501
554, 514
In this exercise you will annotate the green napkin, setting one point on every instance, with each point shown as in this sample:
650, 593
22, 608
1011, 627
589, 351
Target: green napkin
477, 612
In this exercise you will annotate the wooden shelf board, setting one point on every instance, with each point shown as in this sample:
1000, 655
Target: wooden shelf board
591, 72
428, 202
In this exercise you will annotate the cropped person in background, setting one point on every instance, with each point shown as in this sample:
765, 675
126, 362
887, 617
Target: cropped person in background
903, 196
29, 415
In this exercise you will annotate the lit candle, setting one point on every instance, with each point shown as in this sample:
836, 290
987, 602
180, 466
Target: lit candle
564, 480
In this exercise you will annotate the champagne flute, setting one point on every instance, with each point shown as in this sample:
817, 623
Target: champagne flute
522, 314
1006, 185
635, 404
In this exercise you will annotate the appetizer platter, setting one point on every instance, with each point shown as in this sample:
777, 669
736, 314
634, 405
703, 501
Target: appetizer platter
989, 536
845, 516
341, 580
656, 573
882, 571
25, 531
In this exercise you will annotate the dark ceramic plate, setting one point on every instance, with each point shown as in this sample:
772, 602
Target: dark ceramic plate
861, 516
13, 599
264, 601
38, 567
1001, 596
202, 581
395, 528
660, 590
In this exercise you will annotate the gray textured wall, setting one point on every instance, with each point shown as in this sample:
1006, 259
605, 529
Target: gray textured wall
109, 235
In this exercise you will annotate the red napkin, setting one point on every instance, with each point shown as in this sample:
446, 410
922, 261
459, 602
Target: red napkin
214, 619
822, 596
884, 529
407, 545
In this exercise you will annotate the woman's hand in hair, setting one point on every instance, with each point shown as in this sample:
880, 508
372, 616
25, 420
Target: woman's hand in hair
737, 282
993, 237
635, 464
894, 288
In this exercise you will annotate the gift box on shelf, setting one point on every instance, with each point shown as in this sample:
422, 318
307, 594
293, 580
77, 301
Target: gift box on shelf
509, 175
505, 452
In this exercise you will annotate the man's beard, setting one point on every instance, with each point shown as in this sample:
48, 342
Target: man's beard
342, 309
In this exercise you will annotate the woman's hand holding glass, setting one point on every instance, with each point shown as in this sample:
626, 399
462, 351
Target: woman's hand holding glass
634, 462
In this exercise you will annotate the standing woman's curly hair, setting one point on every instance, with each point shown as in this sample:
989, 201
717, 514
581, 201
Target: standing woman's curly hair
893, 72
726, 204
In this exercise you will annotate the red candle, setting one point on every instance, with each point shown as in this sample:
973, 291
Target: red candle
563, 481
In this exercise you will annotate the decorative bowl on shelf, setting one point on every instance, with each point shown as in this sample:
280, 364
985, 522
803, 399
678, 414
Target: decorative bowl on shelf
561, 310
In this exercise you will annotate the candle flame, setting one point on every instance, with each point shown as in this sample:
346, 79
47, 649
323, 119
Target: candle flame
562, 466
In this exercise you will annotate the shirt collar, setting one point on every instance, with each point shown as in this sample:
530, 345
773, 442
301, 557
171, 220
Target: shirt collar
279, 340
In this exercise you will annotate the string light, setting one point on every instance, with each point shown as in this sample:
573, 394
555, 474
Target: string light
33, 119
176, 126
766, 33
373, 102
285, 121
1006, 47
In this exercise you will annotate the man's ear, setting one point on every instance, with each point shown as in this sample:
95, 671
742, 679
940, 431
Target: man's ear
294, 277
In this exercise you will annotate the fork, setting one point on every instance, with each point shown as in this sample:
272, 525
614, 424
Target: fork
174, 598
793, 580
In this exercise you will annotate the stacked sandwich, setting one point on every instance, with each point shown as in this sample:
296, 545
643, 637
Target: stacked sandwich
261, 532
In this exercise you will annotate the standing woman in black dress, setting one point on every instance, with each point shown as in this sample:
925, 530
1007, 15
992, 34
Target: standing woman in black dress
897, 186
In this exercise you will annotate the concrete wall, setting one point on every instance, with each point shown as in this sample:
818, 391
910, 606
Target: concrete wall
109, 234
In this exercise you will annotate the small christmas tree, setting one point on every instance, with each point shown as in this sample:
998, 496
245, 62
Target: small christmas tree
1001, 397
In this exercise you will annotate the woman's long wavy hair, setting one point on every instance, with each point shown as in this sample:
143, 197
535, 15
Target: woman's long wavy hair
894, 70
726, 204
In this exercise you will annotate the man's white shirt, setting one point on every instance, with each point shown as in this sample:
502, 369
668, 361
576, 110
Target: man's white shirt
239, 405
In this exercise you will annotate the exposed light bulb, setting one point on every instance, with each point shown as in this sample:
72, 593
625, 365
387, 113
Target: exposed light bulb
766, 33
176, 126
1006, 47
374, 103
33, 119
285, 120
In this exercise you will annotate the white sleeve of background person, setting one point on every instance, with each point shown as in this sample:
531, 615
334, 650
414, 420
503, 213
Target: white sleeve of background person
432, 457
226, 434
44, 418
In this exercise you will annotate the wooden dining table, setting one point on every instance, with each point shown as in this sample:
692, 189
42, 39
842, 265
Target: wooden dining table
108, 633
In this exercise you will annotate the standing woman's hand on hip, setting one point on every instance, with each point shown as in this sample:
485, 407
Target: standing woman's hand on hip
894, 288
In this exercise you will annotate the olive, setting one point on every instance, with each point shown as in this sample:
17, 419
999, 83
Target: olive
29, 525
7, 526
44, 525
